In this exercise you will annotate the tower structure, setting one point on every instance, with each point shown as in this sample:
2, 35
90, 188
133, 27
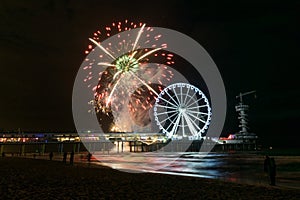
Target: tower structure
247, 138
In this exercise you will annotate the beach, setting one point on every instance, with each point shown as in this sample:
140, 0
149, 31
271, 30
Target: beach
27, 178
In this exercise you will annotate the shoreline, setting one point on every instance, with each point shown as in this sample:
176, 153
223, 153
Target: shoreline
44, 179
236, 168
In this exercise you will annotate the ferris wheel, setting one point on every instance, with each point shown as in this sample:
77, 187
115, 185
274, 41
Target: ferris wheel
182, 110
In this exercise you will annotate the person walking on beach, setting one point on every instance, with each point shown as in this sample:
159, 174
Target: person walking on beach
267, 165
65, 157
72, 158
50, 155
272, 171
89, 156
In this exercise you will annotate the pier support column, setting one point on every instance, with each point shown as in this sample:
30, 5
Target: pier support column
61, 148
78, 147
118, 147
23, 149
43, 149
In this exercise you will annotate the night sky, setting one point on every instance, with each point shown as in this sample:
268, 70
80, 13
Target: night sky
255, 46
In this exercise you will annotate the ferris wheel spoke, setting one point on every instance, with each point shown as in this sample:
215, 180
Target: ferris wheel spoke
171, 123
165, 100
168, 107
190, 124
193, 122
167, 112
192, 97
183, 128
196, 112
196, 117
191, 108
174, 129
194, 102
176, 96
181, 101
168, 118
186, 95
172, 98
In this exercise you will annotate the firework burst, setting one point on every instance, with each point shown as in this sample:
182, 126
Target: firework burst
130, 82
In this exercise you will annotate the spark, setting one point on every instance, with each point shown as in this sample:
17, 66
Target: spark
148, 53
102, 48
138, 37
148, 86
106, 64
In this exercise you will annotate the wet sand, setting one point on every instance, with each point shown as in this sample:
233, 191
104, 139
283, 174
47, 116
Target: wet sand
26, 178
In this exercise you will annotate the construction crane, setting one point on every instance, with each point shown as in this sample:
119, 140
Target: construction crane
244, 94
241, 108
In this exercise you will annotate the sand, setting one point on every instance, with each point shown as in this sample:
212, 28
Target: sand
24, 178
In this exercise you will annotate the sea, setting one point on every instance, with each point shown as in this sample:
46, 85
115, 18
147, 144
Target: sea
240, 167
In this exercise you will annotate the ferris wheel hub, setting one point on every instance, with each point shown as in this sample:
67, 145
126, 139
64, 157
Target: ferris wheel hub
182, 109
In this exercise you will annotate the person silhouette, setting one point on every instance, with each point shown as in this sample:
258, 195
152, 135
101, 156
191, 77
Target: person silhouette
51, 155
65, 157
272, 171
267, 167
72, 158
89, 156
267, 164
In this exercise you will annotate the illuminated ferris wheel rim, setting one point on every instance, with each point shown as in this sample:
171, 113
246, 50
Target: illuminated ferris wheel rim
183, 110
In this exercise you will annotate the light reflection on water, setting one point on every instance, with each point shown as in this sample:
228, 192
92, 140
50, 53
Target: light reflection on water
234, 167
189, 164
